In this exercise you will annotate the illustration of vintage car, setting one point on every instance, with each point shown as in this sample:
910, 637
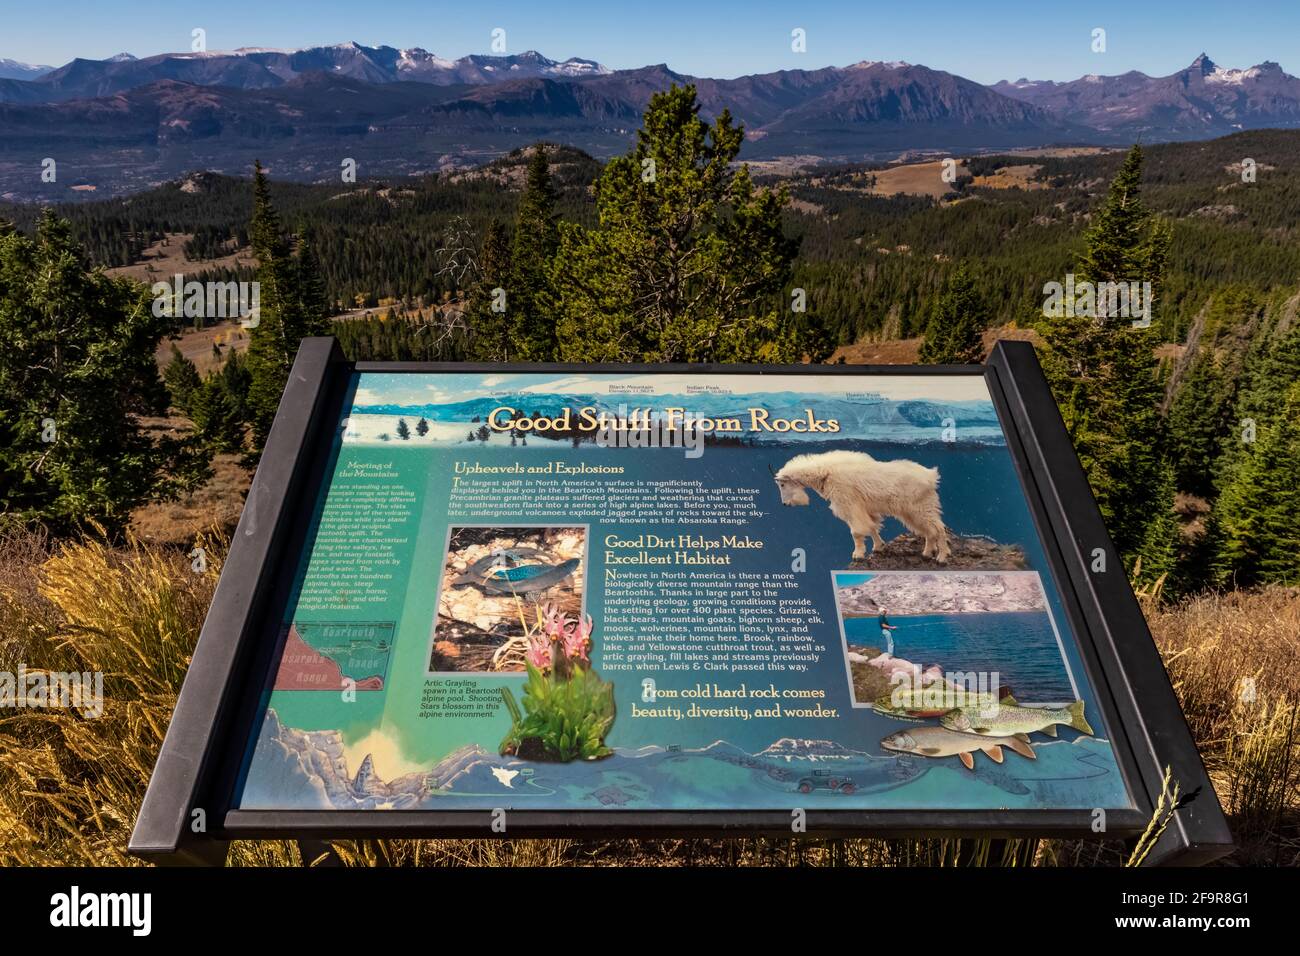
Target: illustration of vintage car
831, 780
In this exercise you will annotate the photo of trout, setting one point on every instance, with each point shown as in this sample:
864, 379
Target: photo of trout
496, 584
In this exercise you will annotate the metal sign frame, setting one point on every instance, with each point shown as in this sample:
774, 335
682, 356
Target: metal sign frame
188, 814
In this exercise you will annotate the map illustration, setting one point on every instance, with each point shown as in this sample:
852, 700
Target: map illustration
324, 656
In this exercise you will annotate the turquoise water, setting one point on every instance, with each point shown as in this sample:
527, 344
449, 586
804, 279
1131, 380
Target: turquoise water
1020, 646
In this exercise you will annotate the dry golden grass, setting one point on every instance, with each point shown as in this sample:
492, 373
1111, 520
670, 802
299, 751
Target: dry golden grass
1233, 662
197, 345
215, 504
1011, 177
70, 787
166, 257
896, 351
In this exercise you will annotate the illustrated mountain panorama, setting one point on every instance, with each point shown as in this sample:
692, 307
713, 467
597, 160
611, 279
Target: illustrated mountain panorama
906, 421
123, 124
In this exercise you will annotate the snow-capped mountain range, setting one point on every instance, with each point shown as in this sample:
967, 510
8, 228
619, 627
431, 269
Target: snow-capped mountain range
405, 111
13, 70
251, 68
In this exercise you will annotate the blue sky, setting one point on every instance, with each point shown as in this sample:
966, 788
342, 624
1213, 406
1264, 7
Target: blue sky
1045, 39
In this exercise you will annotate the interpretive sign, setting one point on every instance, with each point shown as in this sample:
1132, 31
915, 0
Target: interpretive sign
560, 599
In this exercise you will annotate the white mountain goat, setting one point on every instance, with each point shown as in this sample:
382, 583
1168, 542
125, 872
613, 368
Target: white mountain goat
863, 491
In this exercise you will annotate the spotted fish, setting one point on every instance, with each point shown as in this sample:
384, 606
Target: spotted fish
938, 742
1010, 718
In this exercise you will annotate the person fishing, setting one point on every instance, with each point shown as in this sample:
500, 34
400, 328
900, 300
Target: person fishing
885, 631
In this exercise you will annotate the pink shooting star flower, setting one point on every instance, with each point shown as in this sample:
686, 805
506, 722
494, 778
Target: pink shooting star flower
577, 640
539, 653
553, 622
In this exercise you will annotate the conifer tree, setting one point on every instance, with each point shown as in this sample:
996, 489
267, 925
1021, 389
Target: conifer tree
271, 347
689, 261
1103, 369
77, 374
181, 378
491, 330
1162, 545
954, 334
313, 302
1266, 380
219, 407
535, 239
1258, 514
292, 305
1197, 421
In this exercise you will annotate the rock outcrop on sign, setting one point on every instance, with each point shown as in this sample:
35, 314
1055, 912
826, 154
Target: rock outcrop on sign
312, 766
969, 552
873, 673
794, 748
926, 593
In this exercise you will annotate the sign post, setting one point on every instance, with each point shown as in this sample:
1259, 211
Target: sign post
649, 601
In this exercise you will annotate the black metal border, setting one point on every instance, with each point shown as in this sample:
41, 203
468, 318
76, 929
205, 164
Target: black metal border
200, 759
1198, 832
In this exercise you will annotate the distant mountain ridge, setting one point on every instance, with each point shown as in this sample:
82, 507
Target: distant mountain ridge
1204, 99
261, 68
13, 70
123, 124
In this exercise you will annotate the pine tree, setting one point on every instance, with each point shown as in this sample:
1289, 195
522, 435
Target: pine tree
236, 380
535, 240
270, 349
491, 331
1258, 514
313, 308
403, 430
1272, 370
689, 261
77, 374
181, 378
954, 334
1197, 421
1103, 369
422, 427
1162, 542
216, 416
292, 306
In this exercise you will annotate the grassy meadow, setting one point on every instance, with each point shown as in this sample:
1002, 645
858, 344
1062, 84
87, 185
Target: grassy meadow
71, 784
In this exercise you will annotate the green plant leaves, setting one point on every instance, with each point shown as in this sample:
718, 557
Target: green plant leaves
569, 714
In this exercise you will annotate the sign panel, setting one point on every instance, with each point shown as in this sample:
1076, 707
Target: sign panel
658, 591
639, 601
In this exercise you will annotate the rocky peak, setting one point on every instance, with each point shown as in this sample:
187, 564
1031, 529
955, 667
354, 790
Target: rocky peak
365, 780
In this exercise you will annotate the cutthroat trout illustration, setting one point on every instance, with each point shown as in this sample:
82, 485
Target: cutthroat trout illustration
938, 742
931, 700
1008, 717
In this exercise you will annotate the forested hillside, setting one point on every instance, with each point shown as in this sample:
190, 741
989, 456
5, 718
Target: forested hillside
374, 239
819, 258
1188, 430
872, 265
